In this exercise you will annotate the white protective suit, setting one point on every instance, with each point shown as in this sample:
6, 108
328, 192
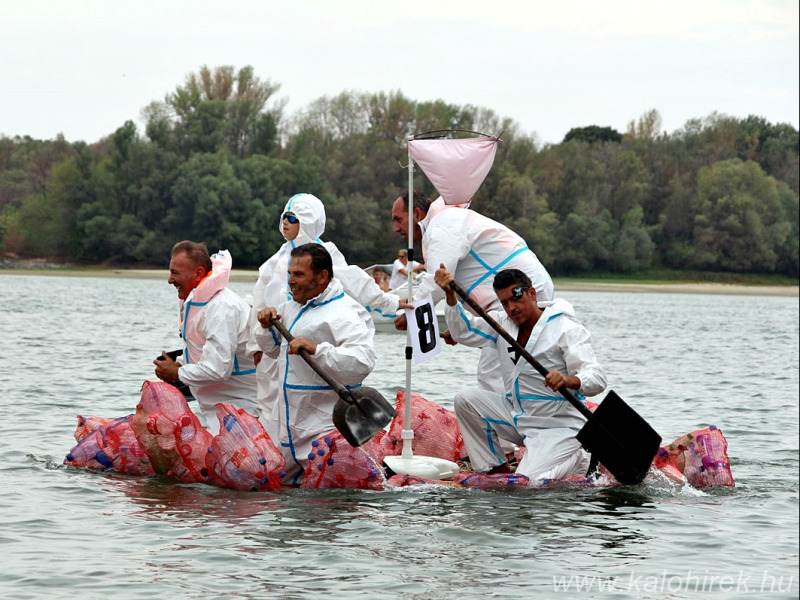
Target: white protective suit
343, 332
215, 324
528, 412
272, 287
474, 248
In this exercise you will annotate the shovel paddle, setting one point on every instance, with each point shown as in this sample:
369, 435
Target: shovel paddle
359, 413
615, 434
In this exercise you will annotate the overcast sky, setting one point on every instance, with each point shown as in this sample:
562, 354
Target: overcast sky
84, 67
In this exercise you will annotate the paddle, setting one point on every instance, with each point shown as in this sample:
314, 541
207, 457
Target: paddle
359, 413
615, 434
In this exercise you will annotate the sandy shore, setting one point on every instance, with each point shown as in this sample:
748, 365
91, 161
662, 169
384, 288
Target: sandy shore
593, 286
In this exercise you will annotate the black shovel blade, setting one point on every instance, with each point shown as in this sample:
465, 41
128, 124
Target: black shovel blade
362, 415
621, 440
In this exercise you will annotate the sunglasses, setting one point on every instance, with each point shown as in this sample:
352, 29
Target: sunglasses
291, 218
519, 291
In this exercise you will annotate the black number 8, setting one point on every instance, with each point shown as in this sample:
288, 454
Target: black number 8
427, 339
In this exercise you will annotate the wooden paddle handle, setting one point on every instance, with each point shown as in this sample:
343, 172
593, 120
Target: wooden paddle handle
339, 388
580, 406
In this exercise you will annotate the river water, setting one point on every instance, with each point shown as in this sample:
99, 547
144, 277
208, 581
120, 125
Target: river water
84, 345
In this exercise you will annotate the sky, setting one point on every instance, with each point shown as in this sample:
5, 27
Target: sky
83, 68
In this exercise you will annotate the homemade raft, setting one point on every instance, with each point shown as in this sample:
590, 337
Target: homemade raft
164, 437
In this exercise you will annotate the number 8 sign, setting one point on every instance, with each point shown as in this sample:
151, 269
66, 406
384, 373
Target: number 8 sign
423, 329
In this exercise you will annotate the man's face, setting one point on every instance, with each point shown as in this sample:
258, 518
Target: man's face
184, 274
403, 257
304, 283
400, 220
519, 304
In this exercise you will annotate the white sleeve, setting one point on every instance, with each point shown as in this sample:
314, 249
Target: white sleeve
268, 340
576, 347
361, 287
265, 273
221, 329
468, 329
351, 357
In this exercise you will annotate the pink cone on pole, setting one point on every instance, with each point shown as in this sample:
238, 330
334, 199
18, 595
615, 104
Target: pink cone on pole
456, 168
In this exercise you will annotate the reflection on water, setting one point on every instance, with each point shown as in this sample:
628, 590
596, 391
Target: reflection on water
83, 346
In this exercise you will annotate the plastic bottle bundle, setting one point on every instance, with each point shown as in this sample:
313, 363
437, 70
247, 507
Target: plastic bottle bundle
496, 481
333, 463
242, 456
87, 425
702, 456
666, 463
170, 433
110, 444
436, 431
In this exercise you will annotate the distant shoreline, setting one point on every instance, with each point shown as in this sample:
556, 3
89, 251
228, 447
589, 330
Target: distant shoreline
571, 286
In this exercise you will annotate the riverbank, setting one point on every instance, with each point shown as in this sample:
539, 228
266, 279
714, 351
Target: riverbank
241, 275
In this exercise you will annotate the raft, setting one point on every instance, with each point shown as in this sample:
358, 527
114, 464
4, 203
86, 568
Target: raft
164, 437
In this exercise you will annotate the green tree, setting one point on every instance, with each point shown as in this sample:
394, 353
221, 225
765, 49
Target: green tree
738, 225
217, 108
592, 134
633, 248
213, 205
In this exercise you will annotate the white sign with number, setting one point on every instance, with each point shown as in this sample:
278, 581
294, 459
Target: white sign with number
423, 329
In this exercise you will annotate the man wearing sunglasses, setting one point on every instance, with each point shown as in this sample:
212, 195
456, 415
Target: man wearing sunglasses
530, 412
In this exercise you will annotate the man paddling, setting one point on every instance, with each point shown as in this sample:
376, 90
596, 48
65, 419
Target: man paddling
215, 324
336, 331
531, 411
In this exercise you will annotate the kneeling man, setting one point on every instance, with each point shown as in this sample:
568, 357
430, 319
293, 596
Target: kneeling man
215, 324
531, 412
338, 334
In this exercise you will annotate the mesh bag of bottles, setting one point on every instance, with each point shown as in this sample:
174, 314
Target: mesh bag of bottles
108, 444
334, 463
436, 431
702, 457
242, 456
170, 433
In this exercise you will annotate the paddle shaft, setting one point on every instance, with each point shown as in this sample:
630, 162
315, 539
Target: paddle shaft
338, 387
520, 349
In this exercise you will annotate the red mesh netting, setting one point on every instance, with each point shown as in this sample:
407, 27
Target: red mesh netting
702, 457
435, 428
242, 456
170, 433
109, 444
336, 464
87, 425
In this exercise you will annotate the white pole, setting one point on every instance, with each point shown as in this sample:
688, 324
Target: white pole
408, 433
429, 467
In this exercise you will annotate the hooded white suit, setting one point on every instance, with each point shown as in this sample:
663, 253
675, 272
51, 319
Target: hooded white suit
528, 412
215, 324
272, 287
474, 248
343, 332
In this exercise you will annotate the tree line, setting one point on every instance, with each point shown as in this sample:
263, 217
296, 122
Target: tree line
217, 160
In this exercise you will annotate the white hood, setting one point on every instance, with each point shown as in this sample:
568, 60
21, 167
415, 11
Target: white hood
311, 213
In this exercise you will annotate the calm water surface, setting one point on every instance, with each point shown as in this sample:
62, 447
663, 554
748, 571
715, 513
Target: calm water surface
84, 345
